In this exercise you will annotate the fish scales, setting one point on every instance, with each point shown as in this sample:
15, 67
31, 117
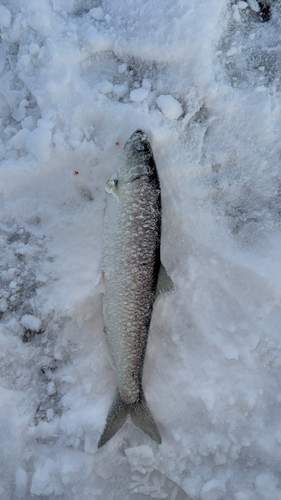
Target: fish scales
131, 259
133, 275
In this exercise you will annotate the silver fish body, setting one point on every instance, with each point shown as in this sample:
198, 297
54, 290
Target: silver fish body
131, 272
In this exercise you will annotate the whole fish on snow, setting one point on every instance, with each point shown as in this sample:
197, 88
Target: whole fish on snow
133, 277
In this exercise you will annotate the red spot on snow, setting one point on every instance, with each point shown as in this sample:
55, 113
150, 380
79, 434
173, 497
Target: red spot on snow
75, 173
117, 143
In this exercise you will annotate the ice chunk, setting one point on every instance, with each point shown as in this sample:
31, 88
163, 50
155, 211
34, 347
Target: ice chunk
138, 95
31, 322
169, 106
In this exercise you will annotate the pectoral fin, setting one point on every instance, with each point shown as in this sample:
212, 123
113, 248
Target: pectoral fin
111, 187
164, 283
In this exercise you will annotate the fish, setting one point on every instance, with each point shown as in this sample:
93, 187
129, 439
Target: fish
133, 278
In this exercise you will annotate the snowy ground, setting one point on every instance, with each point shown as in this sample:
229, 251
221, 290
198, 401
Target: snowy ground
77, 77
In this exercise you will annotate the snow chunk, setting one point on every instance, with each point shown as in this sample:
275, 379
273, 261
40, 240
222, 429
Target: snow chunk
122, 68
2, 58
253, 4
236, 15
106, 87
97, 41
39, 144
267, 484
50, 414
18, 141
19, 113
30, 322
138, 95
51, 388
68, 378
45, 124
231, 51
140, 456
34, 49
97, 13
146, 84
242, 5
169, 106
5, 17
120, 90
213, 490
3, 305
260, 88
44, 480
21, 482
28, 122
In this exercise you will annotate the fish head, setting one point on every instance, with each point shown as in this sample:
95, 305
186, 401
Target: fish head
136, 159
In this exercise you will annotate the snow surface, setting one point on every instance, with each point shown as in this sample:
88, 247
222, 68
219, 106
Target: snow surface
212, 370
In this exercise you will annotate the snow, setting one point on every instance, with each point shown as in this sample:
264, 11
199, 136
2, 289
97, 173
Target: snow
30, 322
68, 71
138, 95
253, 4
169, 106
242, 5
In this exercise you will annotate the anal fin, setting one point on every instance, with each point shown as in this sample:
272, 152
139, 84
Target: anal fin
111, 187
164, 283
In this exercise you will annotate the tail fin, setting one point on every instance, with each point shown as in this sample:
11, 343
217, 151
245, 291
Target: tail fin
140, 414
142, 418
116, 418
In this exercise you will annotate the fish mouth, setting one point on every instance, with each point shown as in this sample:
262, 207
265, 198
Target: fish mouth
138, 143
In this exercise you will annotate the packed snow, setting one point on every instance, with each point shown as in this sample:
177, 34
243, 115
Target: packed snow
77, 78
